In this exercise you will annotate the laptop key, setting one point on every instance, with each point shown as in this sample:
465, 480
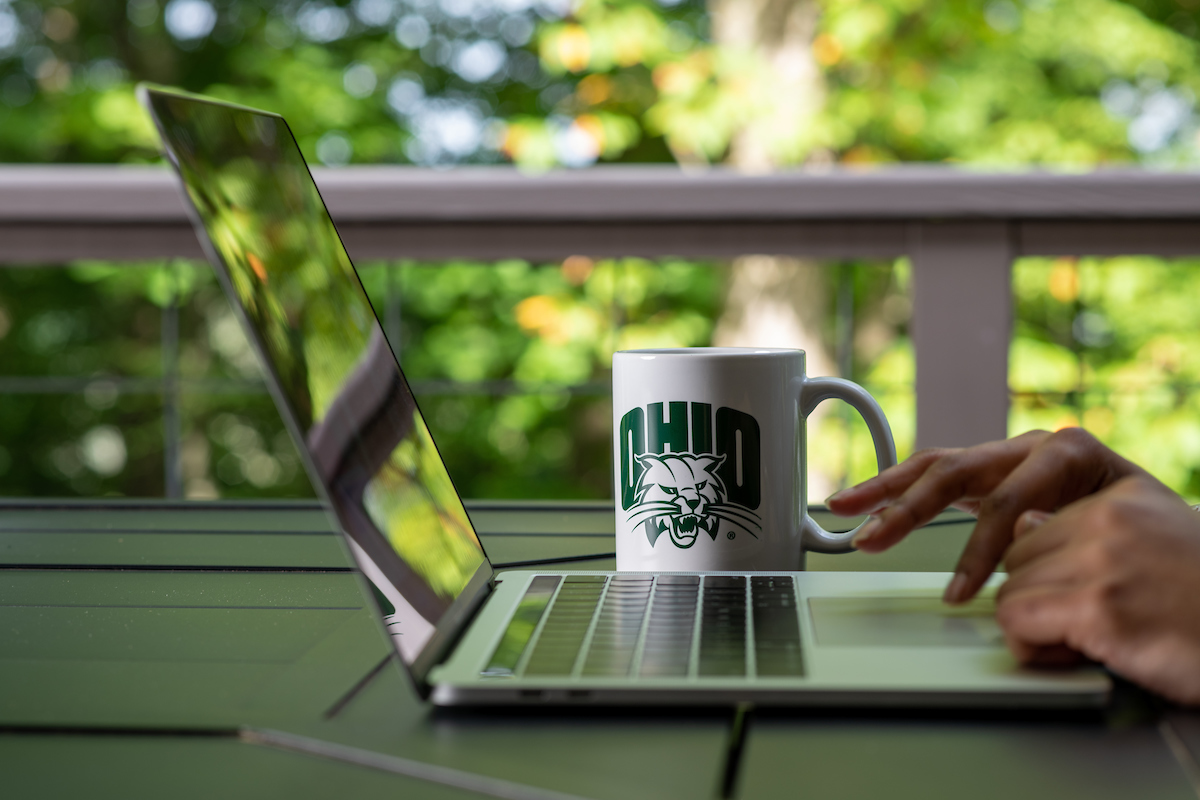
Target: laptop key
521, 626
776, 627
617, 628
668, 644
559, 642
723, 626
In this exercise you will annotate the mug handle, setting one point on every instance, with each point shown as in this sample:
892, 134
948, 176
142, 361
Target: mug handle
813, 537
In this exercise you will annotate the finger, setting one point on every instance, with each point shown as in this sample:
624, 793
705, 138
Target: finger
1055, 655
1039, 617
1036, 483
1062, 570
956, 475
875, 493
1032, 545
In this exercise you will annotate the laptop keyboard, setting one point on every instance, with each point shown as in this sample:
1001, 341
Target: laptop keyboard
646, 626
563, 634
618, 626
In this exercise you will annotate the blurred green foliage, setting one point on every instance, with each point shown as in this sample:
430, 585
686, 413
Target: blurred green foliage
1113, 345
94, 422
547, 82
510, 359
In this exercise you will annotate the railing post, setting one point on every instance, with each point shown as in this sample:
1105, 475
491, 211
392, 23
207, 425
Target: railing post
172, 424
962, 324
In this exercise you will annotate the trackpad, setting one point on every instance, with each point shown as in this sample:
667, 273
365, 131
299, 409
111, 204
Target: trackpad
904, 620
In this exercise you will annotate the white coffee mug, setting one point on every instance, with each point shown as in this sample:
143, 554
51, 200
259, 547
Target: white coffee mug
710, 458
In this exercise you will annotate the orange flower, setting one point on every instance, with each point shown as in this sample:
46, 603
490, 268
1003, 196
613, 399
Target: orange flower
827, 50
537, 313
593, 127
594, 89
574, 48
257, 265
576, 269
1064, 280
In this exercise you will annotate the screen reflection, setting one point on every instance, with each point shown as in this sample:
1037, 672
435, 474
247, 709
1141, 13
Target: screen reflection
364, 434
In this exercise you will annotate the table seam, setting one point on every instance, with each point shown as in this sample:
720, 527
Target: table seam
1181, 753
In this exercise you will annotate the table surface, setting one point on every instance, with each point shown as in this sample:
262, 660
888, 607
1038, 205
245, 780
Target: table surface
118, 677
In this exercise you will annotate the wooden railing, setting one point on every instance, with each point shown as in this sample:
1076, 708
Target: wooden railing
962, 231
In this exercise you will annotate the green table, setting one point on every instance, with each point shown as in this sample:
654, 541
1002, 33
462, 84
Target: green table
119, 677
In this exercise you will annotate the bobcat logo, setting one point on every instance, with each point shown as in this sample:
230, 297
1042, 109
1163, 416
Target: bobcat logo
682, 494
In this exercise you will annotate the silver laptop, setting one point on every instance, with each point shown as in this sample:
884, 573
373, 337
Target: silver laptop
470, 636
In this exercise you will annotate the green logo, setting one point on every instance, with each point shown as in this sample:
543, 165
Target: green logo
681, 474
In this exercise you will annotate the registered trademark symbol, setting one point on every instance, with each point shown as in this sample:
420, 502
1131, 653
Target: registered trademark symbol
730, 534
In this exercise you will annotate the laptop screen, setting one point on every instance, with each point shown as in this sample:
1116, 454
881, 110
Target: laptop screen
350, 405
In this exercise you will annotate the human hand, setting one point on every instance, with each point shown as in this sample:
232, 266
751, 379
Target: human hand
1112, 577
996, 482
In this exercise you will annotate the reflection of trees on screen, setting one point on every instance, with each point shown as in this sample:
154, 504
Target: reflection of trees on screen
286, 263
233, 181
413, 500
292, 274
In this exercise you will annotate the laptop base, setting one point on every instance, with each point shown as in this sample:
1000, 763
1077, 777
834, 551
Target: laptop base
872, 639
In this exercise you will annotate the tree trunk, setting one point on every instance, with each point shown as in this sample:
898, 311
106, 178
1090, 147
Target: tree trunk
780, 33
777, 301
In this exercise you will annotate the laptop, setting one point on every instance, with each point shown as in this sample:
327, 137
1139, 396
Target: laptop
468, 635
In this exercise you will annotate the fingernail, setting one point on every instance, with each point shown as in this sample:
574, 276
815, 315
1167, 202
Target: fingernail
954, 592
866, 533
1030, 520
838, 495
